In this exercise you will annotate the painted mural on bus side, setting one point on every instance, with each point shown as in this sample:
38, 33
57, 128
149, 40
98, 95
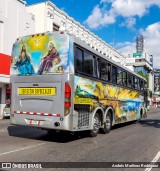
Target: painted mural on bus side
40, 54
125, 102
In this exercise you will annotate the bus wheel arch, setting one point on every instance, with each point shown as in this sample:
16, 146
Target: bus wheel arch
97, 121
107, 121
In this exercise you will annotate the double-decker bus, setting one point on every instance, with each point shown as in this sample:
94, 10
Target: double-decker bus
61, 83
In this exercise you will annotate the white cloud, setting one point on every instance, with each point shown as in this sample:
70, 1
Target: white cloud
129, 9
126, 48
152, 41
129, 23
98, 18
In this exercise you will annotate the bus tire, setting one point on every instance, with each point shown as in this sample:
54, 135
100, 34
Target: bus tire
51, 131
107, 124
96, 126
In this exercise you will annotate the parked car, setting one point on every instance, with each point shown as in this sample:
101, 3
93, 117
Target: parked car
6, 111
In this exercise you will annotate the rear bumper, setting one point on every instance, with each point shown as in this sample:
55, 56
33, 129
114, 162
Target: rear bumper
45, 122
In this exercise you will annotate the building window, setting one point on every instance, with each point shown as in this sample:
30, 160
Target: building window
55, 27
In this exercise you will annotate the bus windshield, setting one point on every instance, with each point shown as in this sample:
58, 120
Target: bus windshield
40, 54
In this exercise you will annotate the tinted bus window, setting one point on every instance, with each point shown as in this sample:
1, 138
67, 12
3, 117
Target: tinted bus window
145, 85
119, 76
136, 82
88, 63
124, 78
79, 60
109, 72
141, 85
114, 74
133, 82
129, 77
103, 67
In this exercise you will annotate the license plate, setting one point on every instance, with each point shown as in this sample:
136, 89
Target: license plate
33, 122
42, 91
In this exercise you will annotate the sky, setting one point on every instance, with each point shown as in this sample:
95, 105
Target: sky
118, 22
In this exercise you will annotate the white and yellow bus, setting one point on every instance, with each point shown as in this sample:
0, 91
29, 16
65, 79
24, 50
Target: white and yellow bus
61, 83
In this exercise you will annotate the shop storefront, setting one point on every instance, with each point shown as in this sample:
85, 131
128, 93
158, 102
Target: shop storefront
4, 82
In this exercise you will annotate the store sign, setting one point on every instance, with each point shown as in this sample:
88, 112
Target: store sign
137, 54
5, 61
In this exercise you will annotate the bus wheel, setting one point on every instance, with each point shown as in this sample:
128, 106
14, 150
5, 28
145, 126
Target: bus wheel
96, 126
51, 131
108, 124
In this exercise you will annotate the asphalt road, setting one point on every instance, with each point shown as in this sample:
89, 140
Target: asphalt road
131, 142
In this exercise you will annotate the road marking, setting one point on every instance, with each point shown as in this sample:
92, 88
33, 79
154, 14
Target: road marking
150, 122
20, 149
3, 130
153, 161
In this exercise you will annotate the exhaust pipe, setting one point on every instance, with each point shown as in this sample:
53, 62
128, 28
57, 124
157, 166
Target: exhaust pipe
56, 124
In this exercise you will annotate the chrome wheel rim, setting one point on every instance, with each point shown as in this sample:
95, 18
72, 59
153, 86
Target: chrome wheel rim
108, 122
96, 124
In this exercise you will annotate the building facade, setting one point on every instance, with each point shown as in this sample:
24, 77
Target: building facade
15, 22
49, 18
156, 93
142, 65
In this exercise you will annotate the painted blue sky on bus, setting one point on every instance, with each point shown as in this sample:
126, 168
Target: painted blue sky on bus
118, 22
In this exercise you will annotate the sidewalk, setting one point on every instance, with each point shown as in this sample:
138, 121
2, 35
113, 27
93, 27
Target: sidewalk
153, 109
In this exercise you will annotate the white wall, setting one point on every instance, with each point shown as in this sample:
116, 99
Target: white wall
151, 81
39, 13
14, 22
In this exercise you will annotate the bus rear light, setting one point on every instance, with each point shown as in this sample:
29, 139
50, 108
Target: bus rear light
67, 103
68, 95
67, 88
